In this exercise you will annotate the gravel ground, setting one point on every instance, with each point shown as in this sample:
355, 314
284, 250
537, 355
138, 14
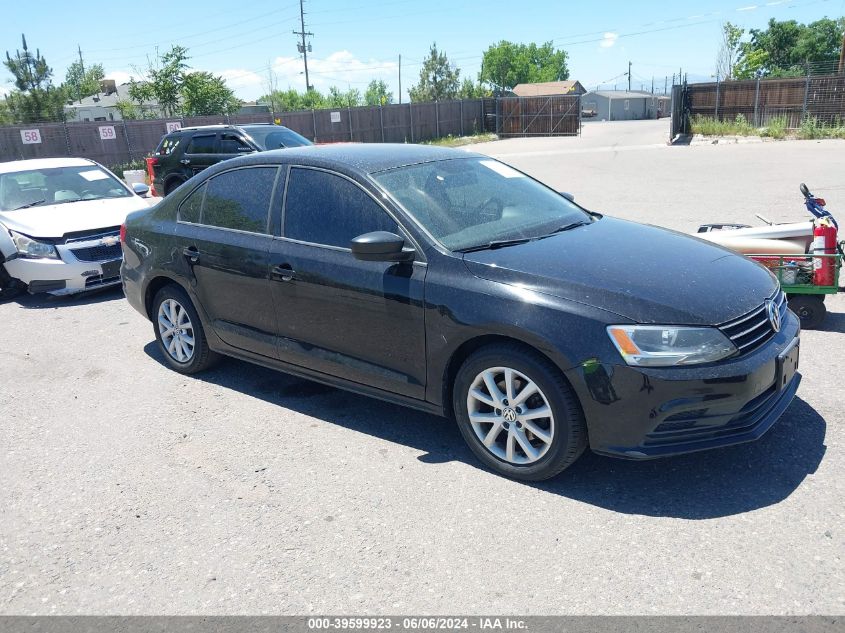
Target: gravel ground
126, 488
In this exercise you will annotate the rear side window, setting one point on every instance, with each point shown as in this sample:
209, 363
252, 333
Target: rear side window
201, 144
168, 145
191, 207
240, 199
323, 208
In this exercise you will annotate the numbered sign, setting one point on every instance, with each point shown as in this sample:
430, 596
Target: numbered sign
107, 132
335, 117
30, 137
173, 126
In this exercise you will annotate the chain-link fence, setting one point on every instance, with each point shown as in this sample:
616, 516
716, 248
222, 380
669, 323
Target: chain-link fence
115, 143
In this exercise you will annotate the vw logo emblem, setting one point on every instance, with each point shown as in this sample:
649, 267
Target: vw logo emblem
509, 415
774, 315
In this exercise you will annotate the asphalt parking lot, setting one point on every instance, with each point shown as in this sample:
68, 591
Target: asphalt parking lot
126, 488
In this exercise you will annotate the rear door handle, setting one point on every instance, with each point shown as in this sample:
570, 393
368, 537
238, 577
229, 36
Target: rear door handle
191, 253
282, 272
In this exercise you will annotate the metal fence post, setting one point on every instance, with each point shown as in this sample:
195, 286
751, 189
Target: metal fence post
462, 116
128, 144
757, 122
314, 120
437, 119
349, 114
806, 94
716, 116
411, 113
381, 121
67, 135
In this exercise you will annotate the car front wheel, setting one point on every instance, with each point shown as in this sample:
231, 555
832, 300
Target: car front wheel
179, 332
518, 413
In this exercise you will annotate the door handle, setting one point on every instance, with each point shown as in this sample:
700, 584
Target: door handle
282, 272
191, 253
185, 161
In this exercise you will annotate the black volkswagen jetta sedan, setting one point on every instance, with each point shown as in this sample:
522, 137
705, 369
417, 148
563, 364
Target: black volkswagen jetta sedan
450, 282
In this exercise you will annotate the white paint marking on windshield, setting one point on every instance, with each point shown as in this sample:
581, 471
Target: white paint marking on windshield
501, 169
94, 174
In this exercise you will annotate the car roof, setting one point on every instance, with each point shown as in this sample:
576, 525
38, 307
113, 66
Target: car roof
44, 163
362, 157
223, 126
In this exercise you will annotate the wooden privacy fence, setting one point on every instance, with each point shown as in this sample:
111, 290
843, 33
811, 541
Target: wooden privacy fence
114, 143
538, 116
761, 100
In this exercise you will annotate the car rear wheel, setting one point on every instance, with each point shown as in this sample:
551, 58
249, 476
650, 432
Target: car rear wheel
518, 413
179, 332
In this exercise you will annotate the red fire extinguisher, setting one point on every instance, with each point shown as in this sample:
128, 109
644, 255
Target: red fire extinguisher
824, 243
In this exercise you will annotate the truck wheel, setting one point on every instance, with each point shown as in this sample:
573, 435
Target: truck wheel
809, 309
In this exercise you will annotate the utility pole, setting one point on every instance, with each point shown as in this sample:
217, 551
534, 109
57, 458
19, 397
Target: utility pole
82, 76
665, 83
302, 46
400, 79
629, 76
652, 84
842, 55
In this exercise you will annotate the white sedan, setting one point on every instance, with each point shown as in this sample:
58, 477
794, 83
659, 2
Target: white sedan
60, 223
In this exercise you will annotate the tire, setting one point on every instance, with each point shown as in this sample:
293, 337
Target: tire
171, 185
810, 310
183, 344
560, 438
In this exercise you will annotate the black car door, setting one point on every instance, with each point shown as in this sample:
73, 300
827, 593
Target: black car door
362, 321
225, 240
200, 153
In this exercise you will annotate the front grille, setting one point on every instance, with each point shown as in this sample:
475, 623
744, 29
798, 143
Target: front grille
99, 280
97, 253
88, 236
754, 329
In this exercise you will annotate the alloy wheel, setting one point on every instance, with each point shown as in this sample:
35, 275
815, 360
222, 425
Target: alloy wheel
176, 330
510, 415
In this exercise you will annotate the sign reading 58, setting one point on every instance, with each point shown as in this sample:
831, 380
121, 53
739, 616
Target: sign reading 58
30, 137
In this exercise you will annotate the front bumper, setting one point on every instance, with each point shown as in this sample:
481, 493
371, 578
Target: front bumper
83, 265
639, 413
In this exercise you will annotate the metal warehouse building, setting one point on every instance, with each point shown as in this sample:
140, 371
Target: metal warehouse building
622, 105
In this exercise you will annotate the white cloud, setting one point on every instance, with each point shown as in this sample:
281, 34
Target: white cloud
119, 76
341, 69
609, 40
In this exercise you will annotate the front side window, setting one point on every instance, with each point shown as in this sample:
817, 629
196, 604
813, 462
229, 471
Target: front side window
239, 199
201, 144
324, 208
467, 202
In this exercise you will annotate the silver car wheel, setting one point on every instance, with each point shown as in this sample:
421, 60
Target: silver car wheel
510, 415
176, 330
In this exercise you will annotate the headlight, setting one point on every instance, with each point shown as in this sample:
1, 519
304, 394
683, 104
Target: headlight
667, 345
29, 247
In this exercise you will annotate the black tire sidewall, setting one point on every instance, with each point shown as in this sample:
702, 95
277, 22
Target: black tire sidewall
570, 432
200, 345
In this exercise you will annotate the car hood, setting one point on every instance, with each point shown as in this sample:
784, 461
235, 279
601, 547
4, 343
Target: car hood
56, 220
644, 273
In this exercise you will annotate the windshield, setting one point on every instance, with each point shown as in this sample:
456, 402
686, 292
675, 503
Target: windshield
272, 137
470, 202
57, 185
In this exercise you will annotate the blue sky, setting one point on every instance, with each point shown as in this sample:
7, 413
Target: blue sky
358, 40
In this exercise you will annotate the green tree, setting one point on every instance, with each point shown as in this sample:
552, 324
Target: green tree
472, 90
6, 117
728, 50
34, 98
339, 99
439, 80
164, 81
506, 64
290, 100
127, 109
377, 93
205, 94
81, 82
788, 48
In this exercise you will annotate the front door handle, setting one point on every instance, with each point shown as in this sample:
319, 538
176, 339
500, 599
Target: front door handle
192, 254
282, 272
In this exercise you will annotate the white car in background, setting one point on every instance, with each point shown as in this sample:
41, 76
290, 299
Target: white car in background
60, 224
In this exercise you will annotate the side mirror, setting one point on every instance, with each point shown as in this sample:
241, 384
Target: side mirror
567, 195
381, 246
140, 188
